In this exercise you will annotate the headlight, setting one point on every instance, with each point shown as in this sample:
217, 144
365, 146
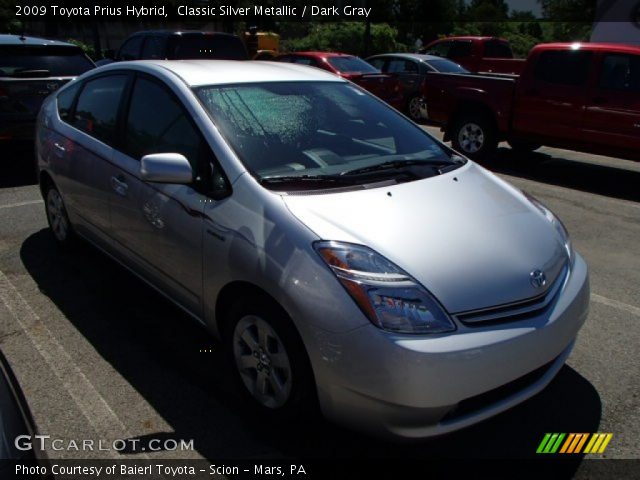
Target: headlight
387, 295
557, 224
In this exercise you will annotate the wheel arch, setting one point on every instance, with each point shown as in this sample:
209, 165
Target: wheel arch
469, 107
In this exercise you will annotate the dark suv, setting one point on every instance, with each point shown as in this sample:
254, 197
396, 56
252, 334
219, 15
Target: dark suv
30, 69
189, 45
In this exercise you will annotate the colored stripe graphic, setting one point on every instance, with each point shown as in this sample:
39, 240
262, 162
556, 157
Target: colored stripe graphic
567, 442
573, 443
605, 442
543, 443
581, 443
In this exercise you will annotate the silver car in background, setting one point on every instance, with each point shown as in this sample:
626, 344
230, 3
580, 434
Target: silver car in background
339, 252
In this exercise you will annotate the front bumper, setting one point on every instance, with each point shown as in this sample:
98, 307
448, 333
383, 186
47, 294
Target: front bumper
414, 387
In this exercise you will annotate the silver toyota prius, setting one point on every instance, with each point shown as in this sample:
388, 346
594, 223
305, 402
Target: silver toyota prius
343, 256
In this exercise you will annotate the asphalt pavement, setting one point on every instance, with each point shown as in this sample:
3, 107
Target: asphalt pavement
100, 355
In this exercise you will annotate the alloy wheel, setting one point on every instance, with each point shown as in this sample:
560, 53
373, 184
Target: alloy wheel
471, 138
57, 215
262, 361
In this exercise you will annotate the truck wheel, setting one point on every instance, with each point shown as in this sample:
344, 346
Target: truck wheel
522, 146
415, 108
474, 135
271, 366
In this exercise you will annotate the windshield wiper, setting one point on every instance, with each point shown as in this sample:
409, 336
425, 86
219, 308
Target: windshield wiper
306, 179
393, 165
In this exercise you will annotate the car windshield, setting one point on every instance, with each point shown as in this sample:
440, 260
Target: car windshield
43, 60
320, 130
447, 66
351, 65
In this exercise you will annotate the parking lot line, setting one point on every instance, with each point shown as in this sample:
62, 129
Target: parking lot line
21, 204
632, 309
93, 406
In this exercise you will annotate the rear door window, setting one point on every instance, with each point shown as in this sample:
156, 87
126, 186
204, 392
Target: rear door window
42, 61
563, 67
402, 66
378, 63
97, 108
65, 101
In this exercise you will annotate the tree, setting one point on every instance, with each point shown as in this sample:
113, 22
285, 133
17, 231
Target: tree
347, 37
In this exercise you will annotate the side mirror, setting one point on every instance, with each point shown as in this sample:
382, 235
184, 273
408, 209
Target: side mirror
166, 168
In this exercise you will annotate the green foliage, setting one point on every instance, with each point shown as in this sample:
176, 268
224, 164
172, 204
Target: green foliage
88, 49
347, 37
8, 22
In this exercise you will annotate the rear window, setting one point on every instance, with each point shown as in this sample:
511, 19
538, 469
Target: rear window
42, 61
351, 65
220, 47
563, 67
496, 49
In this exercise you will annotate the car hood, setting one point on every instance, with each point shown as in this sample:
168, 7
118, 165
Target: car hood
470, 238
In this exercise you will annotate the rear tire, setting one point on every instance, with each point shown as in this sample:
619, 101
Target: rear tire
414, 108
57, 217
522, 146
271, 366
474, 135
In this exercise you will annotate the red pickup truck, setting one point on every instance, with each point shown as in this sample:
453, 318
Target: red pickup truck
477, 54
583, 97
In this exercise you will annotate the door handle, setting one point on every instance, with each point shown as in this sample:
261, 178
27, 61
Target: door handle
119, 185
60, 150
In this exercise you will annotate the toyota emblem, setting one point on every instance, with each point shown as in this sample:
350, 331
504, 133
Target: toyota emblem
538, 279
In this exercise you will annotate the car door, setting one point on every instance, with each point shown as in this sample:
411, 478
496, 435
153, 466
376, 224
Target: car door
157, 228
407, 72
86, 150
612, 114
550, 100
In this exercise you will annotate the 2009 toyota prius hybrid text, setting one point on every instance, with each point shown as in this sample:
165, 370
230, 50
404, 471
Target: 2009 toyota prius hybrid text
344, 257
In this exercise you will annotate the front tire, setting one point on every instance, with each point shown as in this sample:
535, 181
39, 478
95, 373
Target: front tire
271, 366
57, 218
474, 135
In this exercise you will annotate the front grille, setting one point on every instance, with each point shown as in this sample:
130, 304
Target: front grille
521, 310
486, 399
